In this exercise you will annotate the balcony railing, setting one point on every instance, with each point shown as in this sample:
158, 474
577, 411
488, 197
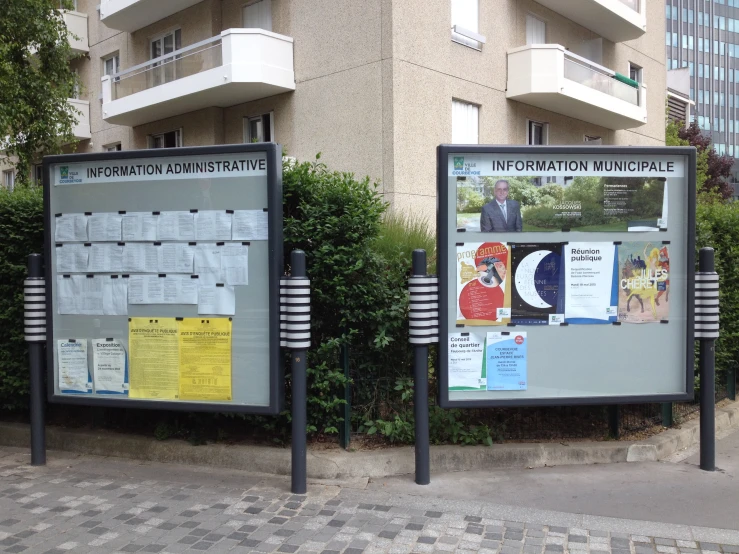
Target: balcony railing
598, 78
185, 62
235, 67
552, 78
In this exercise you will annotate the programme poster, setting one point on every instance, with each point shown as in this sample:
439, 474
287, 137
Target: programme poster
519, 203
483, 293
591, 282
506, 360
644, 282
74, 375
537, 276
109, 366
467, 362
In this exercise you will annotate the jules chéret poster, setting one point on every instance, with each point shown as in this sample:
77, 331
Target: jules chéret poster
644, 282
537, 283
483, 290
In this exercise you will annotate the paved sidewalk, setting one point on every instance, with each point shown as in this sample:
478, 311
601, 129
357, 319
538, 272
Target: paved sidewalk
84, 504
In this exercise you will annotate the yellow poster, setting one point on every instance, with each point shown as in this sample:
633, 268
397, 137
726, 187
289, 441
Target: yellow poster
155, 360
205, 359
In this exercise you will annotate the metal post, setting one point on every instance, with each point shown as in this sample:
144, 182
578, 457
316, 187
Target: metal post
706, 296
345, 434
34, 323
423, 330
296, 291
667, 420
614, 422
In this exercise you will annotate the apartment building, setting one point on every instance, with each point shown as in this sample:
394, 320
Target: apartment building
374, 85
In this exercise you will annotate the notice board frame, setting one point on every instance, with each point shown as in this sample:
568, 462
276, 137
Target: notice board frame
273, 153
443, 260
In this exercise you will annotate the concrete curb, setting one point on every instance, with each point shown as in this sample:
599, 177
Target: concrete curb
339, 464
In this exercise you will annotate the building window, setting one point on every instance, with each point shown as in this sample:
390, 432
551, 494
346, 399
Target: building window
115, 147
465, 123
259, 128
536, 30
9, 179
111, 65
165, 71
258, 15
593, 141
537, 133
635, 73
172, 139
465, 18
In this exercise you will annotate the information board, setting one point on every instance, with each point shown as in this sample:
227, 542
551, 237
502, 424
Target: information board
566, 275
162, 278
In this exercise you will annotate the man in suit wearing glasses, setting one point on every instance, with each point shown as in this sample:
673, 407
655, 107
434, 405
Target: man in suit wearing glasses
502, 214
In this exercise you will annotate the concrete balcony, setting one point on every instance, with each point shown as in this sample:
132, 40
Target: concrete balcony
549, 77
616, 20
237, 66
131, 15
82, 129
77, 27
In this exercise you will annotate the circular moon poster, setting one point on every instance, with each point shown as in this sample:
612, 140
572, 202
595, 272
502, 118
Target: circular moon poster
537, 272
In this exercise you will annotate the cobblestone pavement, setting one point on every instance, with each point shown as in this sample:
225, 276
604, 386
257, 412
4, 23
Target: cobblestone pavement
84, 504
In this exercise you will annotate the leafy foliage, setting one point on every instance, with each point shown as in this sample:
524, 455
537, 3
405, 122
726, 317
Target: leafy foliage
21, 234
35, 81
712, 170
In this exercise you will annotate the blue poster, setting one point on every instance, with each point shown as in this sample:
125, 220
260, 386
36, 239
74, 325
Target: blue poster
506, 360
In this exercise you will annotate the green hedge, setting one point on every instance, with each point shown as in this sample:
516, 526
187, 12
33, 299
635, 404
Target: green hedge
21, 234
718, 226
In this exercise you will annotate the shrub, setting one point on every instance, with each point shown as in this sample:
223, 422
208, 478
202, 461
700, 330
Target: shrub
21, 234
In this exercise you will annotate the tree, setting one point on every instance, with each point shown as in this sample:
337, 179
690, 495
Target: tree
712, 170
35, 81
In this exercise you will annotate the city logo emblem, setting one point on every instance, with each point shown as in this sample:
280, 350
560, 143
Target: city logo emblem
64, 171
458, 162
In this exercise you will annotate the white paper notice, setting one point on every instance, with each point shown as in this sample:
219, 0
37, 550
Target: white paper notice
216, 300
115, 296
140, 258
466, 352
180, 289
589, 280
71, 258
146, 289
213, 225
249, 225
80, 295
70, 228
235, 263
176, 226
175, 258
109, 366
208, 264
171, 289
105, 258
104, 227
139, 226
74, 376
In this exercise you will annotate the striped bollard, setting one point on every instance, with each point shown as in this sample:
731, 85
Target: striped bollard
706, 331
424, 330
295, 335
34, 328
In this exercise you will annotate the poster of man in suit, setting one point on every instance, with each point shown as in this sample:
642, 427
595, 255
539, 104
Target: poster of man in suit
502, 213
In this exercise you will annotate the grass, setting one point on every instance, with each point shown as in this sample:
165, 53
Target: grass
402, 233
